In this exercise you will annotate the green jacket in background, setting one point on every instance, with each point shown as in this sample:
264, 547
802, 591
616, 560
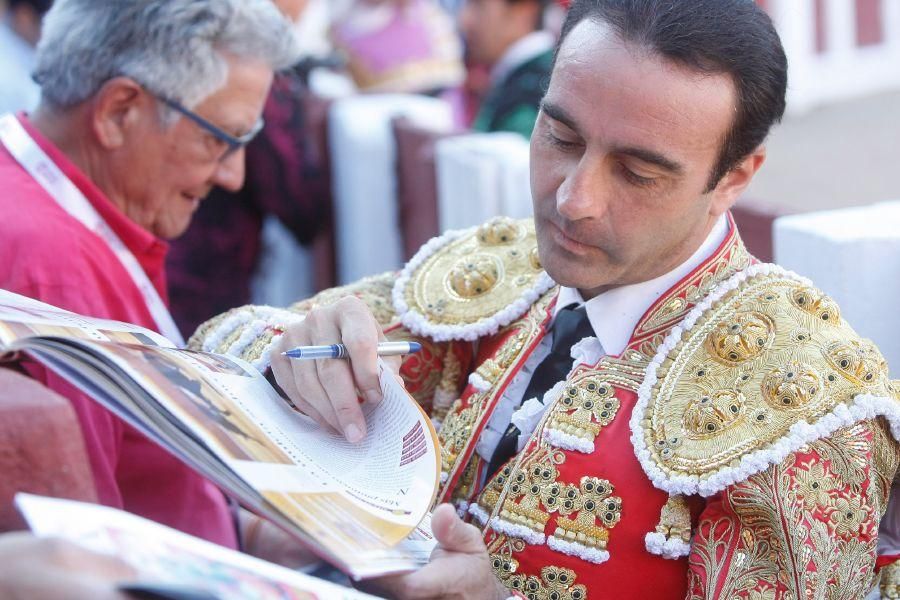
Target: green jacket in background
513, 104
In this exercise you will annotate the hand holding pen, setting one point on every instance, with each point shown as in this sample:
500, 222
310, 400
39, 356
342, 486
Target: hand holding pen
328, 390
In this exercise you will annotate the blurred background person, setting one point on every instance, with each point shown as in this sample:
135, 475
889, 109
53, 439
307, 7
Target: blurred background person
35, 568
406, 46
212, 268
20, 30
507, 38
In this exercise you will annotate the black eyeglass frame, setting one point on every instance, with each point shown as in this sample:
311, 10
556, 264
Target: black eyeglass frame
234, 143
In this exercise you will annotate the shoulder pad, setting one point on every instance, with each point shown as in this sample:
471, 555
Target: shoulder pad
468, 284
764, 365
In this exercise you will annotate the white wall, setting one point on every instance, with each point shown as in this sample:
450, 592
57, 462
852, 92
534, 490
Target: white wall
844, 71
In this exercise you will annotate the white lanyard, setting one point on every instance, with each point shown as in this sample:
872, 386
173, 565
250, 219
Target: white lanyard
69, 197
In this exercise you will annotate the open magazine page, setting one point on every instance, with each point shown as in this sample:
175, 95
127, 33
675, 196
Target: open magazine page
165, 556
22, 317
354, 501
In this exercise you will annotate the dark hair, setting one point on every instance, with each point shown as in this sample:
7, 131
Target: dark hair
712, 36
542, 7
39, 6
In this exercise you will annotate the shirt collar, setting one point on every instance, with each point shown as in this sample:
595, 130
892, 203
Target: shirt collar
521, 51
615, 313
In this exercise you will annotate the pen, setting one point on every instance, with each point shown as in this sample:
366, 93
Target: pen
340, 351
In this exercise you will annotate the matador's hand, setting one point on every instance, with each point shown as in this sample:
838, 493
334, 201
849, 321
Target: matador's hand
460, 567
329, 390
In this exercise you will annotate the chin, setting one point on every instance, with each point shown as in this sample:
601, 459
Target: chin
573, 274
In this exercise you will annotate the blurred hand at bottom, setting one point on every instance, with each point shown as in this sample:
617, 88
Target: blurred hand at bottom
459, 568
34, 568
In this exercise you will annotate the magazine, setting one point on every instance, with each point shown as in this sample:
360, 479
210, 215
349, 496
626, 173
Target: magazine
362, 507
163, 556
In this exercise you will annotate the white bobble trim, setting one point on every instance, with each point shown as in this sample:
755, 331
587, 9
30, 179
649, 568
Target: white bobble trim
671, 548
593, 555
567, 441
479, 383
526, 534
479, 514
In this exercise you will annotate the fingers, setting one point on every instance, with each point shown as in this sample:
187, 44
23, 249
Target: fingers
362, 345
293, 376
326, 390
453, 534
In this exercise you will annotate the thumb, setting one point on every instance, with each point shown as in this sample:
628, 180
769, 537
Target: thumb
452, 534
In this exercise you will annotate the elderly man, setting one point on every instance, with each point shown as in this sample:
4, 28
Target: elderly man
146, 106
632, 407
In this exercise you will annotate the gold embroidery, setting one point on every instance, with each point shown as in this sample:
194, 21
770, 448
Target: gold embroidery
464, 487
816, 303
522, 505
730, 259
455, 433
500, 232
818, 541
743, 337
473, 276
857, 360
593, 501
814, 486
554, 583
375, 291
791, 386
890, 581
710, 415
675, 519
626, 372
719, 412
465, 416
477, 275
447, 390
493, 368
587, 404
492, 491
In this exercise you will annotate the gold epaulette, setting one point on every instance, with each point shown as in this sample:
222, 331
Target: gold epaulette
375, 291
764, 365
468, 284
248, 332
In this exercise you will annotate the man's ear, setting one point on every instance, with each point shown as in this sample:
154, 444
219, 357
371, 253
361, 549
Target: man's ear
733, 184
118, 109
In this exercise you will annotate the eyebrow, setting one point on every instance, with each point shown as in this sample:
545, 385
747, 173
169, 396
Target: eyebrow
643, 154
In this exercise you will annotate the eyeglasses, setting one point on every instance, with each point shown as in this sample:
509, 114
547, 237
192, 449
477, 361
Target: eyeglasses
234, 143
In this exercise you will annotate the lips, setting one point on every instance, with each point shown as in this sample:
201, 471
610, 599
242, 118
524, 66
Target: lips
569, 243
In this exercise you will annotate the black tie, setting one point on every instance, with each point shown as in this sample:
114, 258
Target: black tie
570, 326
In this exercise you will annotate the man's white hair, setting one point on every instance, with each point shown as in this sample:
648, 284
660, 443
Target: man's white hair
175, 48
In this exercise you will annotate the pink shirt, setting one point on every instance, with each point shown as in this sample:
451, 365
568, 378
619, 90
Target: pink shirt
48, 255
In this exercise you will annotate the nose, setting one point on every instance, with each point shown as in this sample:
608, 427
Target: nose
230, 172
584, 191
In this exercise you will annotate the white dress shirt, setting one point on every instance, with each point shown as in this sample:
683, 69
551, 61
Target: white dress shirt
613, 316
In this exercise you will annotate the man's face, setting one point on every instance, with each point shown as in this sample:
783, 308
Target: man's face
165, 171
621, 157
489, 28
